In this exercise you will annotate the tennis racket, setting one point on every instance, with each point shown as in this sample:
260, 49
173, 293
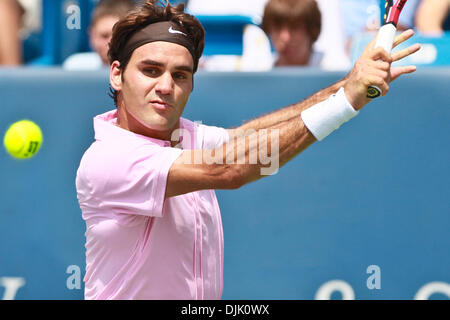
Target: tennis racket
386, 34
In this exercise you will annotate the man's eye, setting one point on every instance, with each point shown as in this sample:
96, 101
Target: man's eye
180, 76
151, 72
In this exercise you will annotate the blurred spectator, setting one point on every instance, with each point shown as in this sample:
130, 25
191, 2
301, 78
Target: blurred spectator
431, 16
18, 18
104, 17
32, 18
11, 13
407, 18
365, 16
328, 51
295, 26
331, 40
360, 16
256, 54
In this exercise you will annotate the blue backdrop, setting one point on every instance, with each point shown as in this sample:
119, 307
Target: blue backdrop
374, 193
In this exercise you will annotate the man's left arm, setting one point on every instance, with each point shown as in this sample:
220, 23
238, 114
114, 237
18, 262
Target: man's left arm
277, 117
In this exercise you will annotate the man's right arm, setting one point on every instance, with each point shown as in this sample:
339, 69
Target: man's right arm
230, 166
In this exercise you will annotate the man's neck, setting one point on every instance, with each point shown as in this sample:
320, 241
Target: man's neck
127, 121
283, 62
300, 60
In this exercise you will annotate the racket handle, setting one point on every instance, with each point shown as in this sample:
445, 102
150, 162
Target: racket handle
373, 92
385, 39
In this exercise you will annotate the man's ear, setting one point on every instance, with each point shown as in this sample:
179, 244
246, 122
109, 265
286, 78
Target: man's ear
115, 76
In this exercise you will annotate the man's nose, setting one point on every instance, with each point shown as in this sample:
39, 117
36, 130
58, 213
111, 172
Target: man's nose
285, 34
165, 84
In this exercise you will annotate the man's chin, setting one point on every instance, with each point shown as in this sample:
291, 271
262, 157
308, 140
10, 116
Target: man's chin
161, 125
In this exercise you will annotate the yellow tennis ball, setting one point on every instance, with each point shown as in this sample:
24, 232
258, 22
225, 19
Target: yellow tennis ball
23, 139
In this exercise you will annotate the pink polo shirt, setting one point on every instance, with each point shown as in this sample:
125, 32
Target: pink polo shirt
138, 245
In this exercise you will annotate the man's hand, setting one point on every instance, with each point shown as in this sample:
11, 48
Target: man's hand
374, 68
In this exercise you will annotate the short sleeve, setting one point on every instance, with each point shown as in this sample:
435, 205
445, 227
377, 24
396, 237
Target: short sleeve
132, 181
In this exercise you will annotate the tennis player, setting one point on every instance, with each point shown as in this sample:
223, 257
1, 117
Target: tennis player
146, 185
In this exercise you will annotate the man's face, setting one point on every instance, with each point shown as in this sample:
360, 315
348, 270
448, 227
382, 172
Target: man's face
100, 36
155, 86
292, 44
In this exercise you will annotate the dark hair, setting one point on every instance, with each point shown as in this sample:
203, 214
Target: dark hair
153, 11
293, 13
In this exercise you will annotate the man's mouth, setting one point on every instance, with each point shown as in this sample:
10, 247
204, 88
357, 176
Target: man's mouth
160, 105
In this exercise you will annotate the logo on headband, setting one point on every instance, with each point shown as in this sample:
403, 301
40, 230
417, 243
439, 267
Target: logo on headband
171, 30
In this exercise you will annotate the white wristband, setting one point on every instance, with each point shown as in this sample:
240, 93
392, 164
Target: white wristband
327, 116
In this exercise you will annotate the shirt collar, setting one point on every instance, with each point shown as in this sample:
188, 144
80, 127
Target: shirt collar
105, 127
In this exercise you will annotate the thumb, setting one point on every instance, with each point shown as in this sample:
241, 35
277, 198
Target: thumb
369, 47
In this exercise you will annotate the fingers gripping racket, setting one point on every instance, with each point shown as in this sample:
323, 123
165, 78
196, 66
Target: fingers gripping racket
386, 34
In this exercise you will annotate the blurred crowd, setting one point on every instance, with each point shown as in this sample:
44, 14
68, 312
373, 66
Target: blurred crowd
317, 33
